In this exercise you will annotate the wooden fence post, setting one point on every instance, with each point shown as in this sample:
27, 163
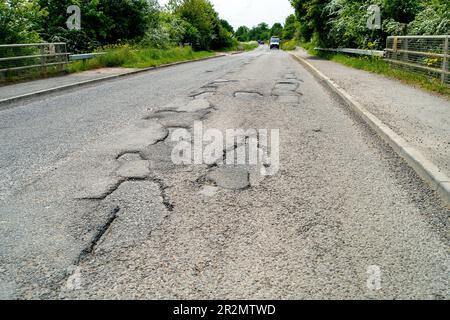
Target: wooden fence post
445, 61
43, 61
395, 48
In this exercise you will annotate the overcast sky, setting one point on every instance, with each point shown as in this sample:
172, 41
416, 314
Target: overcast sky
251, 12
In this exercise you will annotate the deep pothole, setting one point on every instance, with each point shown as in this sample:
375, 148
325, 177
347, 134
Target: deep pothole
247, 94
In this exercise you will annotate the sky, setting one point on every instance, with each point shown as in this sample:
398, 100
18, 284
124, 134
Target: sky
251, 12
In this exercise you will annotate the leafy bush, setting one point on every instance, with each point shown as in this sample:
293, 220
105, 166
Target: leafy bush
291, 26
77, 41
342, 23
201, 16
102, 22
434, 19
138, 57
290, 44
242, 34
19, 21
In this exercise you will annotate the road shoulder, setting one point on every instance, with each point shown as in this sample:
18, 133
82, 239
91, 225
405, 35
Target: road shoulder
430, 161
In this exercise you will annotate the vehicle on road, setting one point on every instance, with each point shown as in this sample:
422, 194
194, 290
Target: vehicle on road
274, 43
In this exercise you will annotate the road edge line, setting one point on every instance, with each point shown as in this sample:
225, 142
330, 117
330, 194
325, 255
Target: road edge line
27, 96
428, 171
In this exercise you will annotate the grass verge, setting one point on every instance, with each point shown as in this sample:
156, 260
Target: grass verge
131, 57
379, 66
290, 45
242, 46
127, 56
34, 74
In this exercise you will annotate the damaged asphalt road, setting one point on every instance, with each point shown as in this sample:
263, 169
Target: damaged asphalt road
103, 197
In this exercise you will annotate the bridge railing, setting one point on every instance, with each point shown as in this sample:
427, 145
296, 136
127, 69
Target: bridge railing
427, 55
21, 59
374, 53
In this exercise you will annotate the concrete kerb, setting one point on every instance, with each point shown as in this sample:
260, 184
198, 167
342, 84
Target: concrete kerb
428, 171
27, 96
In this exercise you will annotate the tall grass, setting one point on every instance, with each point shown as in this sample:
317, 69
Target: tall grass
138, 57
379, 66
242, 46
290, 45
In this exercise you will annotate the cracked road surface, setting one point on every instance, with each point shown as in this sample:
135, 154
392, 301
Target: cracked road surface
88, 190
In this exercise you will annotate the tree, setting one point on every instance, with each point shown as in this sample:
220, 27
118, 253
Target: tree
290, 27
403, 11
57, 15
20, 21
347, 21
433, 19
343, 23
227, 26
276, 30
260, 32
313, 18
243, 34
111, 21
102, 21
200, 14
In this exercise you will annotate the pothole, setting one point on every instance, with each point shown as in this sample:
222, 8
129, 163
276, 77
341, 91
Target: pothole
287, 87
230, 177
248, 94
210, 87
208, 191
195, 105
129, 156
219, 81
283, 92
201, 95
137, 169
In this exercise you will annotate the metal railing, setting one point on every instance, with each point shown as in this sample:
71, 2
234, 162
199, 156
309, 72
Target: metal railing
427, 55
20, 59
85, 56
375, 53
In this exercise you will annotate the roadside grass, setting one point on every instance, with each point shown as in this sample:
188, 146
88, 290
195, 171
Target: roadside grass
291, 45
379, 66
242, 46
127, 56
134, 57
35, 74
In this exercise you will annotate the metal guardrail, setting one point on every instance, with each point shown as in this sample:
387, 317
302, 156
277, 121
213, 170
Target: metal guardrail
84, 56
427, 55
18, 58
375, 53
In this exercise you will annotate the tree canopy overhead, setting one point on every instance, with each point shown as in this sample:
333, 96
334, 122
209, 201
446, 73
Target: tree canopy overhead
105, 22
342, 23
